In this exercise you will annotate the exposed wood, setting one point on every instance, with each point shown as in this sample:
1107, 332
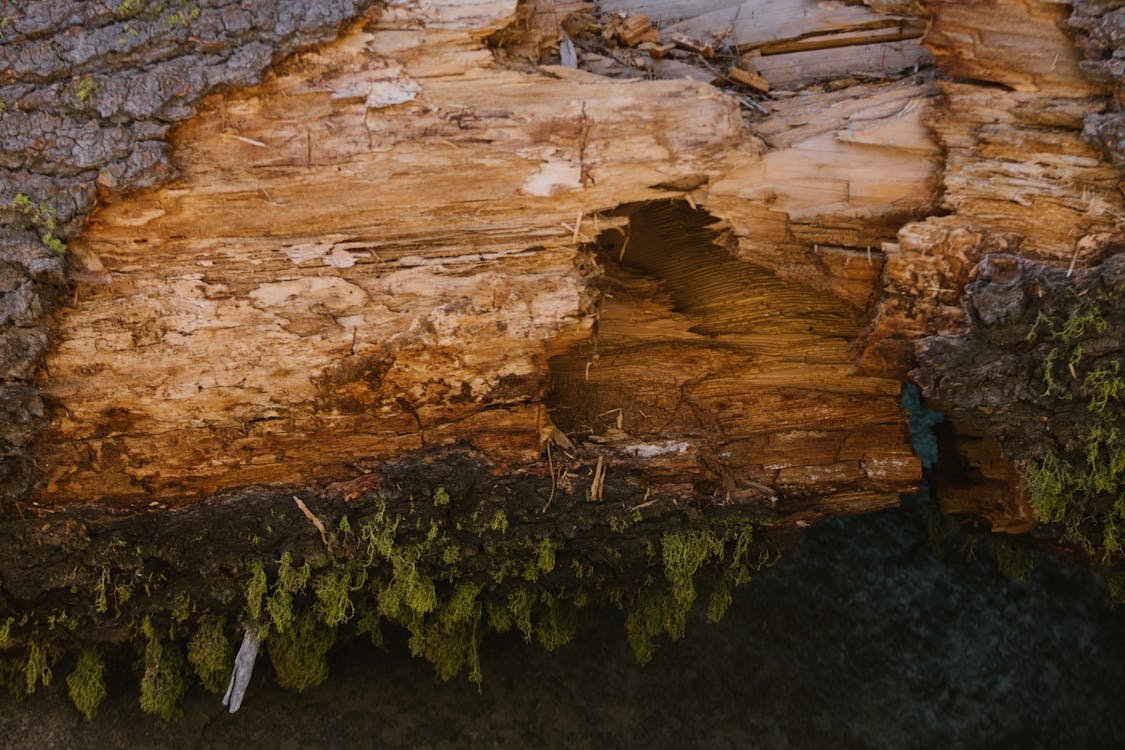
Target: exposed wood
1018, 176
749, 78
424, 265
397, 239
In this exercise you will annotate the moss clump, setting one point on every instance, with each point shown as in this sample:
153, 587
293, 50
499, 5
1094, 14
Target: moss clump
41, 216
256, 589
1081, 483
299, 655
558, 624
719, 601
164, 681
684, 553
646, 619
520, 603
498, 522
441, 497
542, 560
334, 590
36, 670
290, 581
211, 653
86, 684
451, 642
658, 609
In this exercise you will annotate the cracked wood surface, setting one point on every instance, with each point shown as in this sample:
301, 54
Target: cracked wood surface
380, 248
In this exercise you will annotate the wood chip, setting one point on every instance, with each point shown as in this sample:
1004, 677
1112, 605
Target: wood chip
634, 29
693, 45
749, 78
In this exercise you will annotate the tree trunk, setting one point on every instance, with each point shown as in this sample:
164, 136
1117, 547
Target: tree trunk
437, 314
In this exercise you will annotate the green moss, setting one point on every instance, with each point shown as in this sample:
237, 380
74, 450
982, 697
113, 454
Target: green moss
43, 217
334, 590
86, 684
520, 603
36, 670
441, 497
462, 606
451, 642
6, 632
164, 681
542, 561
256, 589
684, 553
1115, 586
289, 582
1015, 562
369, 623
558, 624
409, 591
719, 601
498, 522
211, 653
1080, 484
300, 654
499, 617
645, 620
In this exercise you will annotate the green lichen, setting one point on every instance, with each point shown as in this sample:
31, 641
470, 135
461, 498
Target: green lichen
498, 522
86, 684
41, 216
86, 89
211, 653
6, 632
290, 581
164, 681
1081, 484
520, 603
684, 553
256, 589
542, 561
299, 655
558, 624
334, 590
441, 497
719, 601
36, 670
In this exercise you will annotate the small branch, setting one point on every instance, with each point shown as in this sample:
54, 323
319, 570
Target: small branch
243, 669
312, 519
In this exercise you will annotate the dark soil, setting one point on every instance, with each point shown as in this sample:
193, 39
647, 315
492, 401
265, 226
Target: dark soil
860, 638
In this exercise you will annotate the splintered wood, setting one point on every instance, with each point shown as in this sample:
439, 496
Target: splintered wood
379, 250
781, 43
722, 373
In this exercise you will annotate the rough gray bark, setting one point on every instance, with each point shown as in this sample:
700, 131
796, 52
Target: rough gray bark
88, 93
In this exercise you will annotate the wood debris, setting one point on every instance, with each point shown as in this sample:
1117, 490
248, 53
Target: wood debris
684, 42
632, 30
749, 78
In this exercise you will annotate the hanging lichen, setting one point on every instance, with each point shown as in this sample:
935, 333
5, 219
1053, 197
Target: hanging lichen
211, 653
164, 681
86, 684
299, 655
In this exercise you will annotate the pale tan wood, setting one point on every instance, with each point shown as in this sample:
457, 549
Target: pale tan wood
382, 247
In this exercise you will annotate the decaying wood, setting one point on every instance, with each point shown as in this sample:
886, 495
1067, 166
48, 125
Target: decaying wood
376, 251
424, 245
